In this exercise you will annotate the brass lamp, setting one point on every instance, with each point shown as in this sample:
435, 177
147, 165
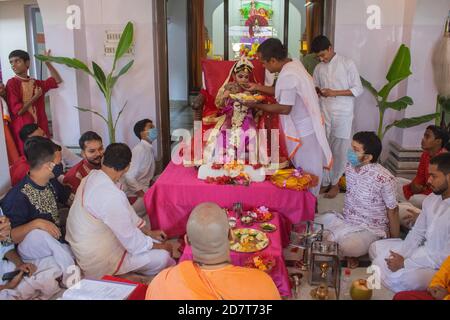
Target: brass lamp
325, 268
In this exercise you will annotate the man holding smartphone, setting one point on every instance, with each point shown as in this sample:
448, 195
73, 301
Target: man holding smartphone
338, 84
12, 268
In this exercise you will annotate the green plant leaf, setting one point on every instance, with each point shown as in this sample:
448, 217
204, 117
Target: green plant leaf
412, 122
70, 62
113, 80
386, 90
444, 102
125, 69
400, 67
99, 73
92, 111
120, 113
100, 77
125, 42
369, 87
400, 104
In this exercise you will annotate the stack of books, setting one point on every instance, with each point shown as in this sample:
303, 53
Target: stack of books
402, 162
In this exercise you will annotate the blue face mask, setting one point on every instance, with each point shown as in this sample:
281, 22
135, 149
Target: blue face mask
353, 158
153, 134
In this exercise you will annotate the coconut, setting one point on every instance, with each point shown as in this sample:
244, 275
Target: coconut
360, 290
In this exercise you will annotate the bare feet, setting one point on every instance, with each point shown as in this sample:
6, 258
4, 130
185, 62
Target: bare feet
324, 189
352, 263
332, 193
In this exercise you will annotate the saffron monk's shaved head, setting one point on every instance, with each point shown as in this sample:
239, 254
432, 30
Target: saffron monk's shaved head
208, 232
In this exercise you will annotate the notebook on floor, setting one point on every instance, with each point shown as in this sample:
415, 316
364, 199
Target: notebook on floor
99, 290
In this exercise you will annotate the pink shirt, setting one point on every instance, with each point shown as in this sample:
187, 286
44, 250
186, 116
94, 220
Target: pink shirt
370, 190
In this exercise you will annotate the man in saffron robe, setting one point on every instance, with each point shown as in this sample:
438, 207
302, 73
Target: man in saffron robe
211, 276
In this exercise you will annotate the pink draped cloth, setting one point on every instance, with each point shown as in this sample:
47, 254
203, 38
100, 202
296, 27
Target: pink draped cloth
178, 190
279, 273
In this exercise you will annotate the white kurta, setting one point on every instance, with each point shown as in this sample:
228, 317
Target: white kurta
305, 134
339, 74
140, 174
99, 197
425, 248
142, 168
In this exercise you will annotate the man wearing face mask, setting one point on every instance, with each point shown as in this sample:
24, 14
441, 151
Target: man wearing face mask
31, 206
142, 169
410, 264
370, 209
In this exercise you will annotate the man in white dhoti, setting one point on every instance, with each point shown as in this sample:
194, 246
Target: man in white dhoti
105, 234
370, 210
410, 264
32, 207
298, 105
338, 83
142, 169
37, 280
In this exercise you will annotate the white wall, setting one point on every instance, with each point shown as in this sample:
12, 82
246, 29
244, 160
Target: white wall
427, 31
60, 39
12, 31
418, 24
177, 43
137, 86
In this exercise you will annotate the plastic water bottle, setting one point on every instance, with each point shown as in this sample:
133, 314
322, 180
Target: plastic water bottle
345, 284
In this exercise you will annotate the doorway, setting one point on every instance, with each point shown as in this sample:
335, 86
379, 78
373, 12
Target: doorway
212, 29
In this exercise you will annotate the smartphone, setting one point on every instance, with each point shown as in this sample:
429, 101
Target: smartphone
10, 275
319, 91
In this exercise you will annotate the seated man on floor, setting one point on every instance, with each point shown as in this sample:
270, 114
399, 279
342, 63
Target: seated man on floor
33, 281
411, 194
32, 207
211, 276
69, 159
142, 169
21, 168
91, 145
105, 233
411, 263
438, 289
370, 208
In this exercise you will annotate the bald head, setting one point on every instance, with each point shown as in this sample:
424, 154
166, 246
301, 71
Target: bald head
207, 231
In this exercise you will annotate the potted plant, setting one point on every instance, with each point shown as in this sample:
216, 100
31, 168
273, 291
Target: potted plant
399, 71
105, 82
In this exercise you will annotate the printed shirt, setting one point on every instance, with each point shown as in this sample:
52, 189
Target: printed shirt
370, 190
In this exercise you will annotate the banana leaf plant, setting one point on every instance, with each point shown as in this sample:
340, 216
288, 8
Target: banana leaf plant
400, 70
105, 82
443, 107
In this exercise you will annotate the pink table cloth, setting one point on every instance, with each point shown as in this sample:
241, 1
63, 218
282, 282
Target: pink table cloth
279, 273
178, 190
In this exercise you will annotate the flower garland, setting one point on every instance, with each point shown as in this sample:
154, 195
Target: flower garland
263, 262
242, 179
239, 114
294, 179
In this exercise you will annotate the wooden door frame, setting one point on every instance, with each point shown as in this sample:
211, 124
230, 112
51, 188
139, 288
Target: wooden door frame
162, 63
160, 46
